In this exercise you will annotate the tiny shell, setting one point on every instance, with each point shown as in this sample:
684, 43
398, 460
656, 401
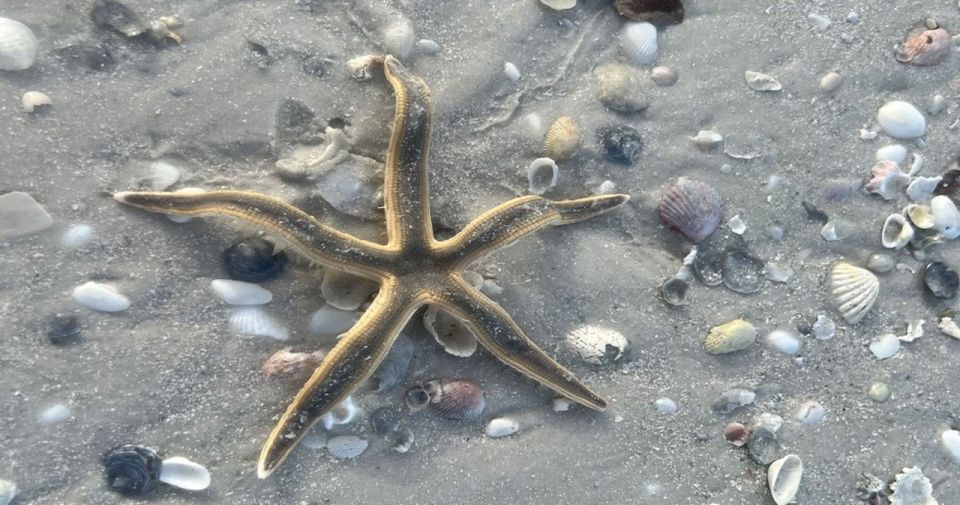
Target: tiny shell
665, 405
914, 331
783, 476
736, 434
502, 427
255, 321
639, 42
458, 399
239, 292
811, 412
100, 297
511, 71
731, 336
596, 344
761, 82
18, 45
885, 346
329, 320
563, 138
949, 327
946, 217
928, 47
32, 100
901, 120
55, 414
542, 175
692, 208
737, 225
824, 328
345, 291
184, 474
707, 140
283, 364
347, 446
449, 332
951, 444
664, 76
854, 290
896, 232
783, 341
912, 488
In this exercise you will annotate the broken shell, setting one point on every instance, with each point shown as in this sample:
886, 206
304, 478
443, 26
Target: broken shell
729, 337
914, 331
707, 140
896, 232
458, 399
596, 344
951, 444
692, 208
562, 140
18, 45
502, 427
657, 11
886, 180
912, 488
254, 321
949, 327
346, 291
901, 120
132, 469
921, 188
928, 47
639, 42
854, 290
32, 100
346, 446
784, 478
239, 292
361, 67
100, 297
184, 474
946, 217
920, 215
344, 413
283, 364
542, 175
733, 399
449, 332
761, 82
736, 434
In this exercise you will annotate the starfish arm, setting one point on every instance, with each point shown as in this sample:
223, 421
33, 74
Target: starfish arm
498, 333
354, 358
306, 235
406, 193
517, 218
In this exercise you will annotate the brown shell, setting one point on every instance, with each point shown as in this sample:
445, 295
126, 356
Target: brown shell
928, 47
736, 434
692, 208
562, 141
655, 11
458, 399
285, 364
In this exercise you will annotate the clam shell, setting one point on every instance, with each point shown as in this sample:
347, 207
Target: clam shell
347, 446
896, 232
729, 337
901, 120
895, 153
946, 217
100, 297
562, 140
783, 476
345, 291
639, 42
559, 5
596, 344
449, 332
692, 208
811, 412
255, 321
707, 140
921, 188
239, 292
736, 434
184, 474
928, 47
502, 427
542, 175
18, 45
457, 399
761, 82
854, 290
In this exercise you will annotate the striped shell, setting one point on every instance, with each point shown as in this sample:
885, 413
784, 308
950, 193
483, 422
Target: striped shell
457, 399
731, 336
692, 208
854, 290
562, 140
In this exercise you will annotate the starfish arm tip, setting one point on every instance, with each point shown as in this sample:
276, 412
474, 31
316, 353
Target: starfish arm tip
123, 196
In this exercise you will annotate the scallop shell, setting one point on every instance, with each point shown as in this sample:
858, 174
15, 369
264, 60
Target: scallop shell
784, 475
449, 332
256, 322
329, 320
18, 45
639, 42
854, 290
542, 175
596, 344
458, 399
692, 208
563, 139
345, 291
240, 293
729, 337
928, 47
901, 120
184, 474
896, 232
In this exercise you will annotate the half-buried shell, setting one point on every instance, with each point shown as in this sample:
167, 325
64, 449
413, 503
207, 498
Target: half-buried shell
854, 290
692, 208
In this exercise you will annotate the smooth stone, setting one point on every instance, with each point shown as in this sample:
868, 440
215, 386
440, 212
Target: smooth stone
783, 341
937, 104
664, 76
21, 215
427, 46
239, 292
100, 297
885, 346
55, 414
622, 88
879, 392
830, 82
77, 236
811, 412
665, 405
502, 427
346, 446
880, 263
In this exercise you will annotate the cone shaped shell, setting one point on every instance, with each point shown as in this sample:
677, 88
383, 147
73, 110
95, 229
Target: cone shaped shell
692, 208
562, 140
854, 290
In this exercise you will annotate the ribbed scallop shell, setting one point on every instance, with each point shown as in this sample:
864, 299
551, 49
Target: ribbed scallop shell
731, 336
692, 208
256, 322
457, 399
562, 140
854, 289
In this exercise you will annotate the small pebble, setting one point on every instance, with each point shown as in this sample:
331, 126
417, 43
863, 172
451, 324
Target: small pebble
824, 328
853, 18
33, 101
622, 88
346, 446
502, 427
665, 405
561, 404
811, 412
937, 104
830, 82
55, 414
880, 263
737, 225
846, 38
511, 71
428, 47
878, 392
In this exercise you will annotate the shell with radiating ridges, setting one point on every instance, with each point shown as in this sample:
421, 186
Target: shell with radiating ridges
255, 321
18, 45
729, 337
692, 208
596, 345
458, 399
854, 290
562, 140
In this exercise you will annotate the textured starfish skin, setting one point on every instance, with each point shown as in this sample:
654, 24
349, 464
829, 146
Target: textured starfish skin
412, 268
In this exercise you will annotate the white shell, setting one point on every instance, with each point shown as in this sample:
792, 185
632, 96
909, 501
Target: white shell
591, 343
824, 328
329, 320
912, 488
783, 341
542, 175
946, 217
100, 297
921, 188
901, 120
55, 414
737, 225
427, 46
502, 427
18, 45
885, 346
239, 292
761, 82
8, 491
854, 290
896, 232
184, 474
914, 331
77, 236
949, 327
951, 444
559, 5
162, 175
255, 321
707, 140
830, 82
33, 99
639, 42
769, 421
511, 71
916, 163
811, 412
347, 446
345, 413
783, 476
895, 153
345, 291
561, 404
449, 332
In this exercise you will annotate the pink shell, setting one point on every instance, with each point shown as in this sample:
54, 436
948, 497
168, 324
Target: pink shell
879, 172
692, 208
458, 399
926, 48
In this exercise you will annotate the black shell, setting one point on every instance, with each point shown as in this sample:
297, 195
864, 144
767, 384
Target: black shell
622, 143
252, 260
940, 280
132, 469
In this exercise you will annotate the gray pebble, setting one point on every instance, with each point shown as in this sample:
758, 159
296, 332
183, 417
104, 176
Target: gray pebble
878, 392
853, 18
830, 82
762, 446
937, 104
880, 263
622, 88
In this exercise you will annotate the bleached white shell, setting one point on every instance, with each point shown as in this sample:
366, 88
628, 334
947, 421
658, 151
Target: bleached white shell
502, 427
239, 292
896, 232
511, 71
345, 413
737, 225
347, 446
77, 236
885, 346
162, 175
542, 175
329, 320
914, 331
761, 82
254, 321
707, 140
912, 488
428, 47
8, 491
559, 5
18, 45
783, 341
951, 444
783, 476
901, 120
100, 297
33, 99
596, 344
949, 327
946, 217
895, 153
854, 290
824, 328
639, 42
449, 332
184, 474
921, 188
811, 412
345, 291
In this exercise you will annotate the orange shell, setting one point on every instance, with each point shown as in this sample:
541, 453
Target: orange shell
928, 47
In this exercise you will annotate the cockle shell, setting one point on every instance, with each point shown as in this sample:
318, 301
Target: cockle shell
255, 321
596, 344
562, 140
18, 45
854, 290
692, 208
329, 320
901, 120
783, 476
896, 232
729, 337
449, 332
458, 399
928, 47
639, 42
912, 488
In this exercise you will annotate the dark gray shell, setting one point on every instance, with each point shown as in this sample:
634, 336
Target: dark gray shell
252, 259
132, 469
692, 208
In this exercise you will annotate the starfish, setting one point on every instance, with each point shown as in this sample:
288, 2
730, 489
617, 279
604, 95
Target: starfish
413, 268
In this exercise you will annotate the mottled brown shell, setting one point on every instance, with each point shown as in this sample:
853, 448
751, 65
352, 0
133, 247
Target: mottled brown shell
284, 364
928, 47
655, 11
